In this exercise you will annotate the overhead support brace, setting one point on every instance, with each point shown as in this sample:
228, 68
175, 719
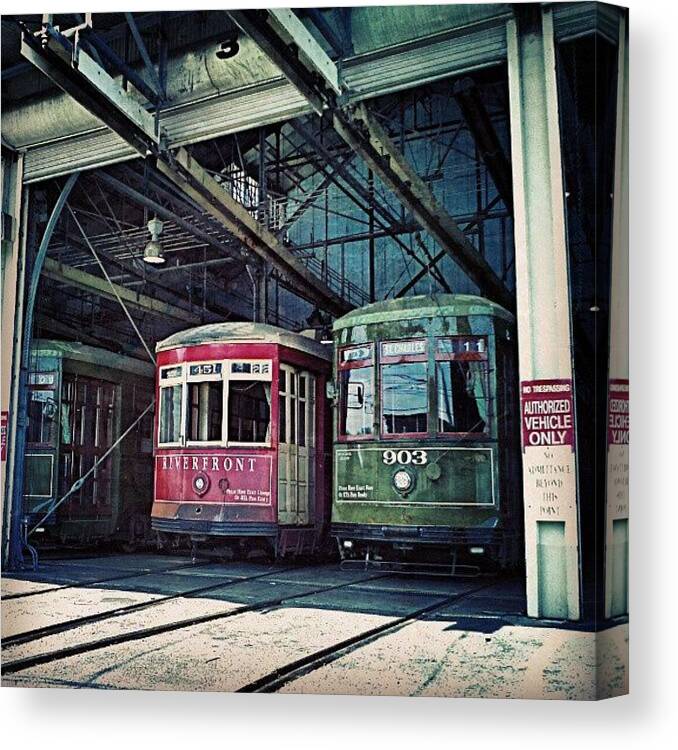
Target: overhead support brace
72, 69
362, 132
316, 77
107, 53
284, 39
167, 214
148, 63
90, 283
359, 193
485, 136
437, 258
201, 187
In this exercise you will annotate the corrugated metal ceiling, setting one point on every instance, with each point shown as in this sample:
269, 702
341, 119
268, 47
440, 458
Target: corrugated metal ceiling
388, 57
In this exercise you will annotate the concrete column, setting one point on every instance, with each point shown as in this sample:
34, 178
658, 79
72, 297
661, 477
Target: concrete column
13, 284
543, 313
617, 507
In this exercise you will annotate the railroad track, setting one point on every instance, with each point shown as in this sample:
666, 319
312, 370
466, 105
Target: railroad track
109, 579
29, 636
292, 671
27, 662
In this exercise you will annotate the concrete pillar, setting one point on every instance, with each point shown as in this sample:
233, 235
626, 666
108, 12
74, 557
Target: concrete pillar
617, 506
13, 284
544, 328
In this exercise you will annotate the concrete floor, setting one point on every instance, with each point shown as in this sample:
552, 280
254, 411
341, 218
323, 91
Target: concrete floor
477, 645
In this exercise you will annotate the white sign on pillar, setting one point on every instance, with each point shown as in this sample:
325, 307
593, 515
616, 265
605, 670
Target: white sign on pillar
543, 313
617, 506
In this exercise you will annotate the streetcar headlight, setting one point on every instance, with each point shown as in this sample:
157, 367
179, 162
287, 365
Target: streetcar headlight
348, 544
477, 550
403, 480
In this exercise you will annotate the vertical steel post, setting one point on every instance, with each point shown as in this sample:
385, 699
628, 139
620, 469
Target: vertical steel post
544, 320
371, 243
617, 506
14, 559
262, 272
14, 201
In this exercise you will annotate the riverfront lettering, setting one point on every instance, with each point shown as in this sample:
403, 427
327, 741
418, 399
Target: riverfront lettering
209, 463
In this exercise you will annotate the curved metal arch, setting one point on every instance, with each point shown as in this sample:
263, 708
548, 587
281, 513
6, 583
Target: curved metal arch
16, 542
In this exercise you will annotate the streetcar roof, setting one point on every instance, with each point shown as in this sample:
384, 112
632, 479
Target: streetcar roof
243, 333
422, 306
74, 350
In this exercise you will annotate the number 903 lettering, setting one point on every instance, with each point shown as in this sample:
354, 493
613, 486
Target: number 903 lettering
391, 457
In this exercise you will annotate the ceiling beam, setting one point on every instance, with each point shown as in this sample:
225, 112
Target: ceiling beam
97, 285
168, 214
148, 63
362, 198
437, 258
364, 135
96, 335
283, 38
79, 75
485, 136
201, 187
127, 268
73, 70
49, 323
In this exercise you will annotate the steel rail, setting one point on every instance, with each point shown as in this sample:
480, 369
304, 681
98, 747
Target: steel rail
281, 676
28, 662
97, 581
29, 636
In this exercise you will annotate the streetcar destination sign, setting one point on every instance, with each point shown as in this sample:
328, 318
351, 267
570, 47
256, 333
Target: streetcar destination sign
356, 353
400, 348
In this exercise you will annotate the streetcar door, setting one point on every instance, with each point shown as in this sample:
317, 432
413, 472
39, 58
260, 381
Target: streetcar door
87, 432
296, 449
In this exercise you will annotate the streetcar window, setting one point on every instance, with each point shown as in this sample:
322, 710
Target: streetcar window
356, 398
67, 395
249, 411
462, 396
170, 414
42, 411
404, 396
205, 411
282, 417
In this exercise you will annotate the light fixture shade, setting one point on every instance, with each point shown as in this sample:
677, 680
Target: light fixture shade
153, 253
155, 227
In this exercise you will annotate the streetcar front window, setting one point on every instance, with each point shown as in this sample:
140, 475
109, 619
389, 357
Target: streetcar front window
205, 411
462, 396
42, 422
249, 411
356, 398
170, 414
404, 395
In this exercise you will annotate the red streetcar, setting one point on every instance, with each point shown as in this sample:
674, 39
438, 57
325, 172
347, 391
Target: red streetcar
240, 440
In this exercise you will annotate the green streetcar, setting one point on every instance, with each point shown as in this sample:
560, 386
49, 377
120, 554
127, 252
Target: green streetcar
81, 400
426, 441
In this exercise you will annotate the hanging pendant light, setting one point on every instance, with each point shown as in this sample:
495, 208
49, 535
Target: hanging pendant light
153, 252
